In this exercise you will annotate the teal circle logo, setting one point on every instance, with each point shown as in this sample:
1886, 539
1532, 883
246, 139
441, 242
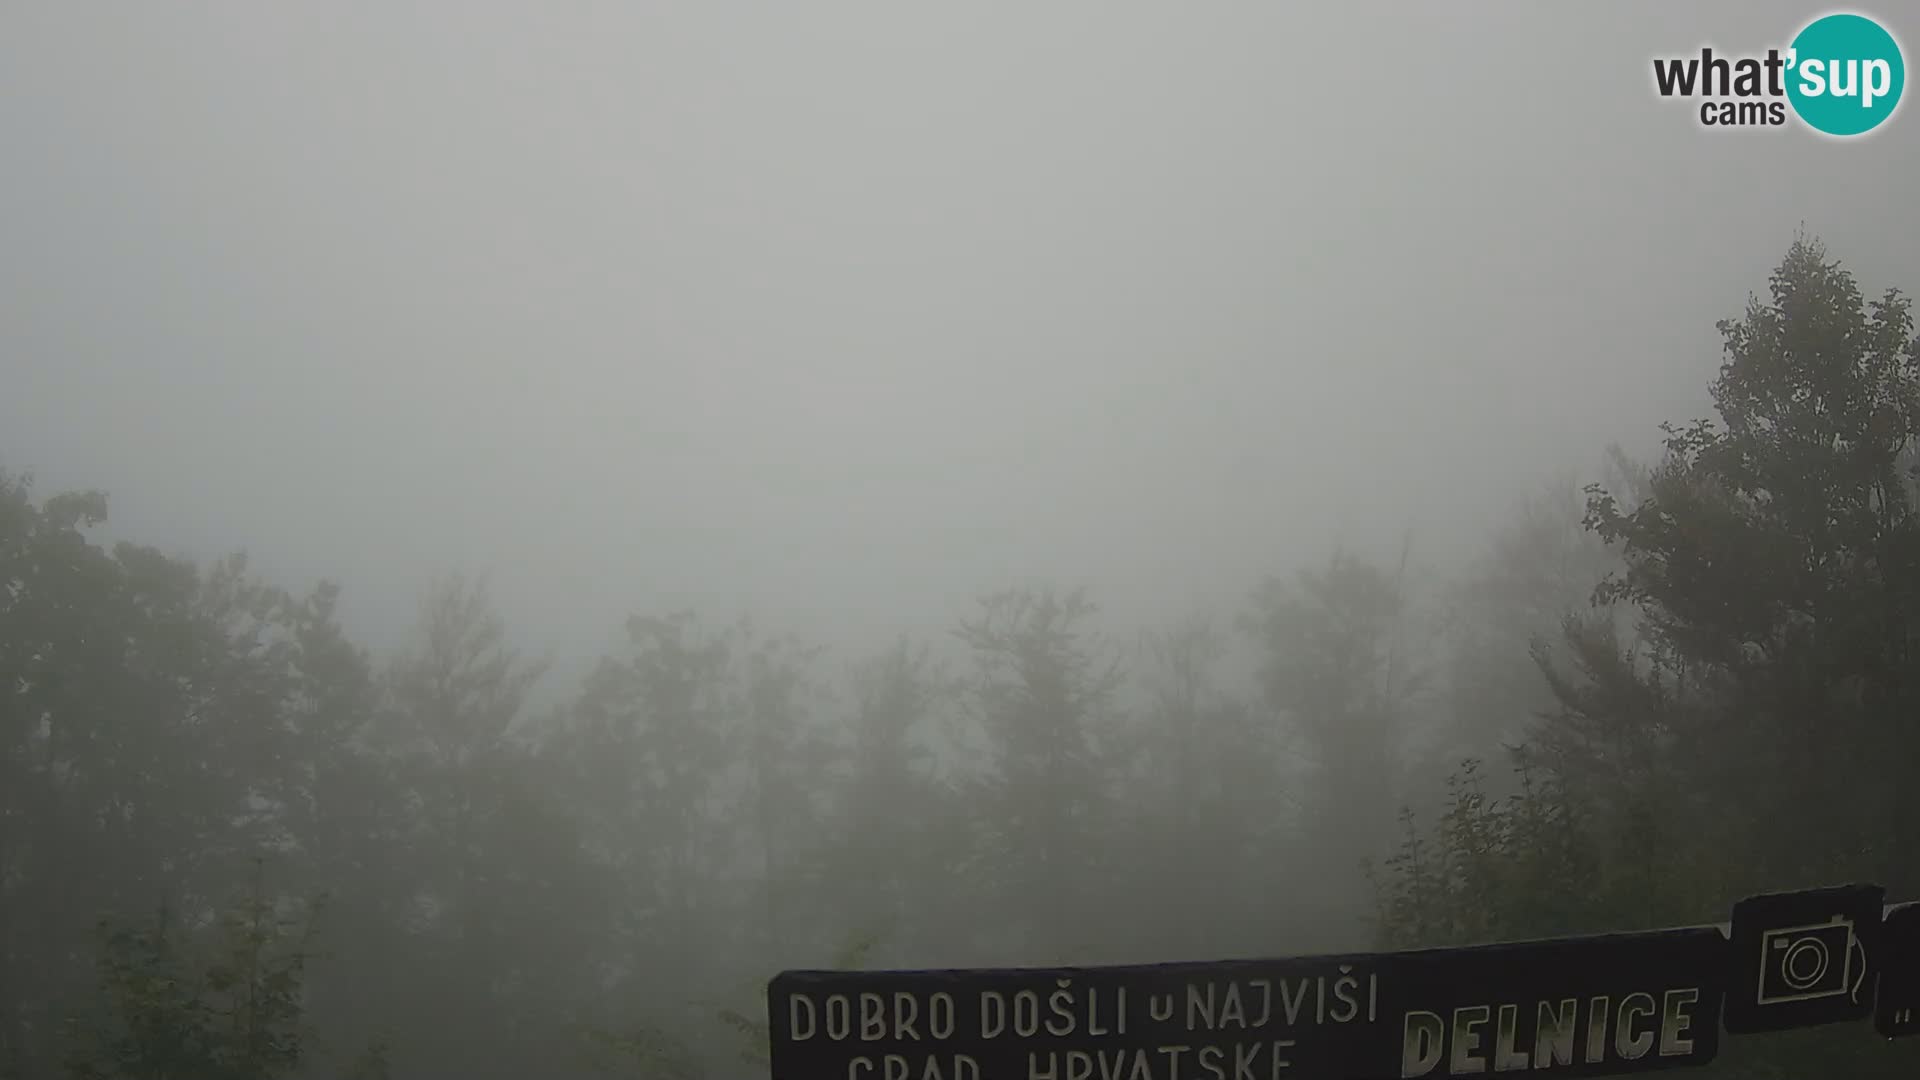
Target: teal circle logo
1846, 75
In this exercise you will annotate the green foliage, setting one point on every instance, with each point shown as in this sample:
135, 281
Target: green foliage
1202, 797
224, 1005
753, 1032
1511, 867
1755, 731
643, 1052
522, 891
1336, 671
1042, 697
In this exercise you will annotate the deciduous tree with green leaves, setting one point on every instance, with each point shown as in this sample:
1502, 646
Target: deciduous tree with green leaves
1754, 730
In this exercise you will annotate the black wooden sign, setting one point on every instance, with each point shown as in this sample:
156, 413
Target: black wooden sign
1897, 1005
1570, 1007
1587, 1006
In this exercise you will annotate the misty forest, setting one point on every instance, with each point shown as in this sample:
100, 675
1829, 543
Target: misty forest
236, 843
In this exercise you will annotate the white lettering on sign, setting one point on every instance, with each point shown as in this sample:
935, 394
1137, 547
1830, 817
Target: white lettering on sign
1633, 1008
1211, 1029
1466, 1039
1553, 1033
839, 1017
1236, 1005
1507, 1056
1675, 1022
1267, 1059
876, 1017
1597, 1029
1063, 1012
901, 1067
1627, 1030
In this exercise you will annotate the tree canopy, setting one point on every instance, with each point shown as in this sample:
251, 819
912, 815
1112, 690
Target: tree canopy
236, 844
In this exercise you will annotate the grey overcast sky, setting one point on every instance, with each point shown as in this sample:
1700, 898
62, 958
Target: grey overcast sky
844, 313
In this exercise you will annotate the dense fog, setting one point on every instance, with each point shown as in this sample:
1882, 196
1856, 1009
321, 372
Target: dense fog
519, 522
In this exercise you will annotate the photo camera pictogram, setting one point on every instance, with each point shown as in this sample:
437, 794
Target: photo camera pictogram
1811, 962
1804, 958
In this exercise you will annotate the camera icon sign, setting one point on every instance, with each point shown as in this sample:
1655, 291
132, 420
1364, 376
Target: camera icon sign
1811, 962
1805, 958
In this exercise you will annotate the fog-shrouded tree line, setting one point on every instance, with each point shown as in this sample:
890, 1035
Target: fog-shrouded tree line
235, 845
